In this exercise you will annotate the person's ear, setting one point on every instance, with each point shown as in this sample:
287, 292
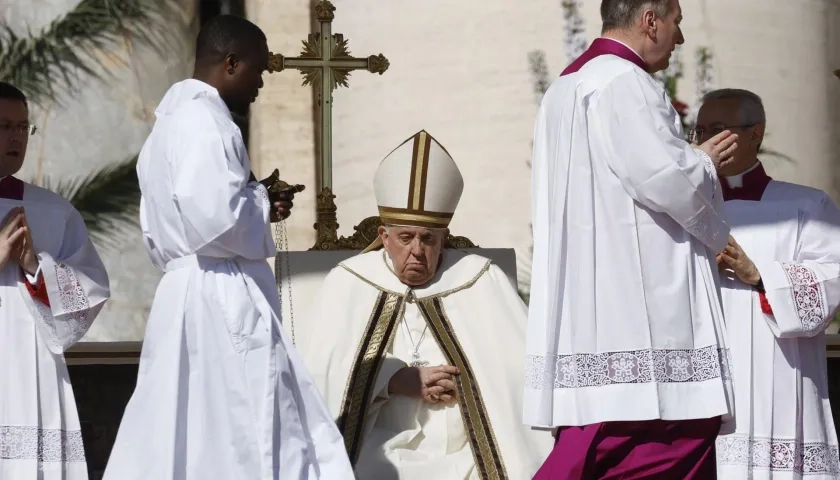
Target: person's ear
231, 63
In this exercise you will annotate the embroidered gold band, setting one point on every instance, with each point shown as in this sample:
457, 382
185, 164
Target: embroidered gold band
359, 391
485, 448
417, 218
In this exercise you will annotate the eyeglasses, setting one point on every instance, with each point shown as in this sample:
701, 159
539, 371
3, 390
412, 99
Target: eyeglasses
21, 129
697, 134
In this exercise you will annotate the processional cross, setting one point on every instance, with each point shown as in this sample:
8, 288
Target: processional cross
325, 63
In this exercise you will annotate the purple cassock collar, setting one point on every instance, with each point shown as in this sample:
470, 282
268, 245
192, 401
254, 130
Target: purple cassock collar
754, 182
11, 188
606, 46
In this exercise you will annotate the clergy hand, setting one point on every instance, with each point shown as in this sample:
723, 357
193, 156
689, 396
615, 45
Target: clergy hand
430, 384
281, 205
12, 231
720, 148
734, 257
24, 251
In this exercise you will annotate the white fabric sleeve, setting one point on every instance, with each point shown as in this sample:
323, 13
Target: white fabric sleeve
656, 167
77, 287
220, 208
805, 293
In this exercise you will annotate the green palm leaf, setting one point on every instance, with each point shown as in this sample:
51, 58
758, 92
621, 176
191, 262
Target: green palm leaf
71, 46
108, 200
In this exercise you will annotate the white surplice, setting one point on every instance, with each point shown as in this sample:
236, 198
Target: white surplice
625, 320
482, 325
784, 427
221, 393
40, 435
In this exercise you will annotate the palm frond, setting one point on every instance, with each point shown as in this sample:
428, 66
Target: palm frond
108, 200
52, 60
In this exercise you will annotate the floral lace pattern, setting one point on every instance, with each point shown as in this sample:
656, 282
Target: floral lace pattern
74, 309
634, 366
44, 445
807, 297
710, 169
700, 227
260, 190
781, 454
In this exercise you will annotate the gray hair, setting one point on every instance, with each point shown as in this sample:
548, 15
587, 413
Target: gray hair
619, 14
750, 105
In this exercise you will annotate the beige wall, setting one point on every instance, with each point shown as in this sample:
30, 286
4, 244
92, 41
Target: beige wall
282, 134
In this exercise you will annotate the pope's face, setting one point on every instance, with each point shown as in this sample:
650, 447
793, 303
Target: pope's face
414, 251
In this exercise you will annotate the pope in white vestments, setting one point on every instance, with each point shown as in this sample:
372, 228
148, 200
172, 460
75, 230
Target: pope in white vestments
391, 324
626, 349
221, 392
780, 291
52, 286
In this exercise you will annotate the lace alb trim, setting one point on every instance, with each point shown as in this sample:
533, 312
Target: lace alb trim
807, 297
261, 191
701, 227
32, 443
75, 321
781, 454
710, 169
632, 366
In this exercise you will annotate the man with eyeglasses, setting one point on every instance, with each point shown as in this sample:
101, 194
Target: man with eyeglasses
52, 286
780, 289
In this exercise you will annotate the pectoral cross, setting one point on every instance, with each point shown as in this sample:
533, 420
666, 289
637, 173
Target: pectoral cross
326, 64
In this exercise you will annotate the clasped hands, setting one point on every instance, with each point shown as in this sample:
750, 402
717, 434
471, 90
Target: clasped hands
431, 384
16, 241
733, 258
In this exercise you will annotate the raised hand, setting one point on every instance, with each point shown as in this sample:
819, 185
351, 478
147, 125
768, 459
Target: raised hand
735, 258
720, 147
24, 253
12, 231
430, 384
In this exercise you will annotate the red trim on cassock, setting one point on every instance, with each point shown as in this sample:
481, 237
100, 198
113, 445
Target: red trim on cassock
765, 305
39, 291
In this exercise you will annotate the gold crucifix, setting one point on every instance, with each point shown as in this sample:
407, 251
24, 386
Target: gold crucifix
325, 63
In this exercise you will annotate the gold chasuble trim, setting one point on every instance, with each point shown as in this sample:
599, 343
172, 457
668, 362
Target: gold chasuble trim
485, 448
365, 369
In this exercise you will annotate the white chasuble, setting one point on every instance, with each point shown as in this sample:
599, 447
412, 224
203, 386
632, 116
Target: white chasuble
625, 322
40, 435
367, 326
784, 426
221, 393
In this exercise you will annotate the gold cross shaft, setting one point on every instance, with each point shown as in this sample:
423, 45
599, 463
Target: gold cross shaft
325, 63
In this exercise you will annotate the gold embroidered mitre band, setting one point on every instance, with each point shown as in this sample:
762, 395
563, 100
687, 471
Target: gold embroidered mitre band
418, 184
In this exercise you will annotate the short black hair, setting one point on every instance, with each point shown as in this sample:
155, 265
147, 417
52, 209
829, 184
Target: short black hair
618, 14
226, 34
11, 92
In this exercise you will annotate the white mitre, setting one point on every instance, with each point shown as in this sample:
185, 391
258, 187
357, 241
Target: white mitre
417, 185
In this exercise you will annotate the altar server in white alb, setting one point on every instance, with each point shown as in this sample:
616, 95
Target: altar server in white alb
52, 286
418, 348
221, 393
626, 347
780, 290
